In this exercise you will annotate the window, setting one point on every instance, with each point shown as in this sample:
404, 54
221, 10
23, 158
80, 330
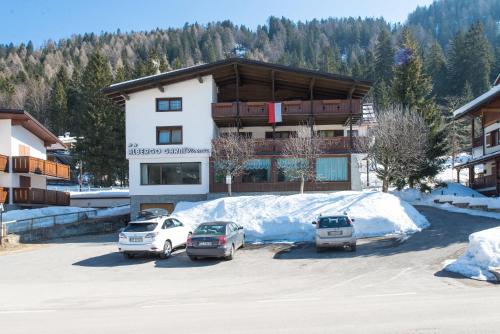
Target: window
355, 133
331, 169
492, 138
287, 169
169, 135
280, 134
330, 133
169, 104
257, 170
171, 173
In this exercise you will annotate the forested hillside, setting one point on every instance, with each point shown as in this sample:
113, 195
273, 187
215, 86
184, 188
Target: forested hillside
456, 42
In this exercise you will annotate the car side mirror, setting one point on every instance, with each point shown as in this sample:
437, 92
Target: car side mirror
352, 220
240, 227
314, 223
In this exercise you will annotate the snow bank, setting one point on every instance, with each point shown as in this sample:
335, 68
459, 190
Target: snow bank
483, 253
100, 193
456, 189
288, 218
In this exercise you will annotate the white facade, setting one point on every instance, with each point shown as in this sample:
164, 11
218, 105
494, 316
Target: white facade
14, 139
198, 130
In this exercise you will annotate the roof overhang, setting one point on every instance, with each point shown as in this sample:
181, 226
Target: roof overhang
479, 160
477, 103
24, 119
226, 72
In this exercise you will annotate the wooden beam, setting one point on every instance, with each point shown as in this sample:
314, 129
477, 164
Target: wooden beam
127, 97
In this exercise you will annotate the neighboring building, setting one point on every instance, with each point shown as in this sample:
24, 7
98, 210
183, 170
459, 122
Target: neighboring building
24, 168
484, 115
62, 152
172, 118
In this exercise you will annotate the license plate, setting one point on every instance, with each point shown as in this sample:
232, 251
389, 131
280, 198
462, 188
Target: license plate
335, 233
135, 239
205, 243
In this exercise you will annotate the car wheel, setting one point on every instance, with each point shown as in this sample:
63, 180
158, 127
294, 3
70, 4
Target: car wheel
128, 256
193, 258
353, 247
231, 254
167, 250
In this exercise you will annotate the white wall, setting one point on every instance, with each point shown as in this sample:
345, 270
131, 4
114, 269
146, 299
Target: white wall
5, 149
21, 136
198, 131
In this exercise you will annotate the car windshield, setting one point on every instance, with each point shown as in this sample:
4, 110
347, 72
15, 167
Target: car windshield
150, 213
140, 227
211, 229
333, 222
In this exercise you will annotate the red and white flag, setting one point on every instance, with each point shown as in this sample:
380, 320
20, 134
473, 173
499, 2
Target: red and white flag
274, 112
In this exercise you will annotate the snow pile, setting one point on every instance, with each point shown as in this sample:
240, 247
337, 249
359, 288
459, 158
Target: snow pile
288, 218
456, 189
483, 254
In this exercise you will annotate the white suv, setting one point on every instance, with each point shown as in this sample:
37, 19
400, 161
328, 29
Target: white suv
153, 234
335, 231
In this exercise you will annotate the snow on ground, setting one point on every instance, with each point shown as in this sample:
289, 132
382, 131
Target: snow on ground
22, 220
100, 193
448, 174
456, 193
288, 218
483, 253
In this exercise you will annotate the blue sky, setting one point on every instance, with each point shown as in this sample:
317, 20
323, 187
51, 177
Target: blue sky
40, 20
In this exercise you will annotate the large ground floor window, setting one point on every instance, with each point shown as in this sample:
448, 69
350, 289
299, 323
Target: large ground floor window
257, 170
332, 169
171, 173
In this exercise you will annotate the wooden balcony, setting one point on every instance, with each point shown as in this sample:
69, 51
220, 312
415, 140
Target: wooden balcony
293, 112
326, 145
4, 195
4, 163
40, 196
27, 164
489, 181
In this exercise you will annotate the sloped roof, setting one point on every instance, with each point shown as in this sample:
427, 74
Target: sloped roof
26, 120
225, 72
478, 102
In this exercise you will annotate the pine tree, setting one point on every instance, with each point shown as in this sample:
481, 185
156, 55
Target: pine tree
99, 146
456, 65
479, 59
384, 57
435, 67
59, 117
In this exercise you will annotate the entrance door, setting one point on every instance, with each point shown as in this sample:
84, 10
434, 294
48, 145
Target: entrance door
167, 206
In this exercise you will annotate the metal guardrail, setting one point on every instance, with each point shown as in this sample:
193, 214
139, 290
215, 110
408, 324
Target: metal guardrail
30, 224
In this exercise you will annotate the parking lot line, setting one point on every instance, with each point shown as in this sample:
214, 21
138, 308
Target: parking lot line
177, 305
388, 295
286, 300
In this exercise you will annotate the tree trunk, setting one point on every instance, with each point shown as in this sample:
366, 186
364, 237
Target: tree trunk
301, 184
385, 184
229, 190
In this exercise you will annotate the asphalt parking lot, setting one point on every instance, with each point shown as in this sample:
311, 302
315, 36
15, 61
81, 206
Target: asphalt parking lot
390, 285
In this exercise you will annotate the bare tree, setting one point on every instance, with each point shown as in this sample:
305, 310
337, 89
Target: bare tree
230, 152
303, 147
396, 145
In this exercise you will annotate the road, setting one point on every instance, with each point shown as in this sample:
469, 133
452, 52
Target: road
82, 285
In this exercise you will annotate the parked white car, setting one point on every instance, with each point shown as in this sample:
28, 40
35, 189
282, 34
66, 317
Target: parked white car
153, 234
335, 231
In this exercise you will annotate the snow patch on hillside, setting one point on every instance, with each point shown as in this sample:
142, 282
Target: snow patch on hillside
288, 218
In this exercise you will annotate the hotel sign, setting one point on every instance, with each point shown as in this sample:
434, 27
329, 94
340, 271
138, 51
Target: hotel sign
134, 149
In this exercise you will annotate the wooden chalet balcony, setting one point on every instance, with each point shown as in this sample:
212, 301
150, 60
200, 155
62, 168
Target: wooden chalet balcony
326, 145
40, 196
483, 182
4, 194
4, 163
293, 112
26, 164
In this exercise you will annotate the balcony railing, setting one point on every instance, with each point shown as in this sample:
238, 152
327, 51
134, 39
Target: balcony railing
4, 163
484, 182
289, 109
40, 196
4, 195
26, 164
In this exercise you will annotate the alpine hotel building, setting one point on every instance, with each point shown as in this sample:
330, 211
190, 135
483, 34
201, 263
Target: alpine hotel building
172, 118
